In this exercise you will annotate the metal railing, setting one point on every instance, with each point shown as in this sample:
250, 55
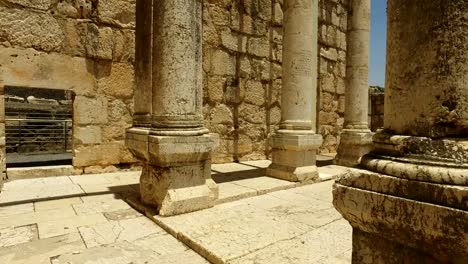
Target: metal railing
36, 134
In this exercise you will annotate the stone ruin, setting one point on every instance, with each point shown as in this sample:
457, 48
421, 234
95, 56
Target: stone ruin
242, 57
176, 85
408, 200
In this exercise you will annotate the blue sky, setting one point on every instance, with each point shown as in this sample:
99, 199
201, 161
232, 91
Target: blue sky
378, 42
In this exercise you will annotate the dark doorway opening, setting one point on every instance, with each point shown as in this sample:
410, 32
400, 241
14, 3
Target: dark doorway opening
38, 126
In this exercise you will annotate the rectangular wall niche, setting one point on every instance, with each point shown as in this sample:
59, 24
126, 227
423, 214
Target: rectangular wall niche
38, 126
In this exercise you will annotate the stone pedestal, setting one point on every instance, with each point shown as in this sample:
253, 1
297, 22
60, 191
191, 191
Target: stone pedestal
406, 208
355, 140
176, 177
353, 145
294, 156
294, 146
408, 202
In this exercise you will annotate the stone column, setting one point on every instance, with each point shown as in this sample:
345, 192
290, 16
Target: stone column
295, 144
177, 148
2, 132
356, 138
143, 63
408, 203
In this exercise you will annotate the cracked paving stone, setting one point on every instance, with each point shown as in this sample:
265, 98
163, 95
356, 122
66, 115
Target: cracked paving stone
235, 231
11, 236
40, 251
115, 231
125, 253
324, 245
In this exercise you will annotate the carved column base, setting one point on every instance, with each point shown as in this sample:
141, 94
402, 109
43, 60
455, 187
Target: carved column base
294, 157
353, 145
176, 177
408, 205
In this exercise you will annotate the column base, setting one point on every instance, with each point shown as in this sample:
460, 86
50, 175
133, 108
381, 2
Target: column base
294, 156
353, 145
405, 216
176, 177
370, 249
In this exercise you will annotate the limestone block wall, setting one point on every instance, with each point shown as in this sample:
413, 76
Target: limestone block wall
86, 46
333, 17
376, 107
242, 74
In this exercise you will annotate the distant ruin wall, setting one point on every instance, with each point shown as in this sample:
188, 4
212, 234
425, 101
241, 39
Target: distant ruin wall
376, 107
88, 47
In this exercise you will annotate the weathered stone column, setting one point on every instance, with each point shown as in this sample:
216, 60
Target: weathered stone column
356, 138
143, 63
409, 205
2, 132
177, 148
295, 144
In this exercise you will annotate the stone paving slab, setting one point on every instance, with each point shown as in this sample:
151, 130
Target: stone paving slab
11, 236
261, 230
248, 174
35, 217
115, 231
56, 204
40, 251
125, 253
289, 224
51, 228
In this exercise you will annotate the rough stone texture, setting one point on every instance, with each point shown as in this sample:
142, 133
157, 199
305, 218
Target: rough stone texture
439, 87
333, 17
414, 225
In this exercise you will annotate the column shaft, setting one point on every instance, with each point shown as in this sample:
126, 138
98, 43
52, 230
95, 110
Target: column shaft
356, 138
427, 71
403, 201
143, 63
294, 146
357, 65
177, 65
299, 91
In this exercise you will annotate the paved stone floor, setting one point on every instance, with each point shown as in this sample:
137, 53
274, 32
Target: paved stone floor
85, 219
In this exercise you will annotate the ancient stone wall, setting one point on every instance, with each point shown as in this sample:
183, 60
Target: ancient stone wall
333, 18
242, 74
80, 45
376, 107
88, 46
